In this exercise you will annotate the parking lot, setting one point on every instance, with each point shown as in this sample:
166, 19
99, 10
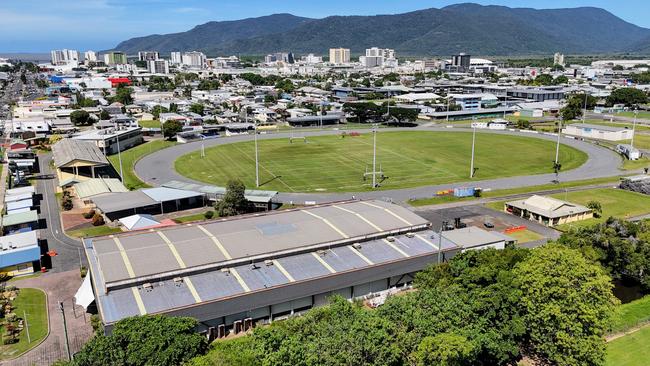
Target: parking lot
479, 215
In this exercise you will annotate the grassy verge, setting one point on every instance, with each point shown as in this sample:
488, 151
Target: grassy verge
131, 156
190, 218
644, 162
632, 314
513, 191
149, 124
630, 350
33, 304
93, 231
526, 236
614, 202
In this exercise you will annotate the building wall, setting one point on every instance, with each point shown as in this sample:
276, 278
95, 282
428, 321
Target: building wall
350, 284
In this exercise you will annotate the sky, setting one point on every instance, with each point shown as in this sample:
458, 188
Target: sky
42, 25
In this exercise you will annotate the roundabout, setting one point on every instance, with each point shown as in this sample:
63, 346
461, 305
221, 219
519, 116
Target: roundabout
416, 162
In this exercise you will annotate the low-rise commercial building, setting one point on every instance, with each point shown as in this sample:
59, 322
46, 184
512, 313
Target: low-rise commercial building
590, 131
548, 211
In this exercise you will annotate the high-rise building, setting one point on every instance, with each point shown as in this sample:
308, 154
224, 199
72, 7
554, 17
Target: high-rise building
176, 58
90, 56
286, 57
461, 62
376, 57
158, 66
339, 55
148, 55
311, 59
558, 59
194, 59
64, 57
115, 58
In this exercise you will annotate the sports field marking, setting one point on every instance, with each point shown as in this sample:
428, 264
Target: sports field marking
263, 167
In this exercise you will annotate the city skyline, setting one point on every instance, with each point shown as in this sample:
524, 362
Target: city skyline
101, 24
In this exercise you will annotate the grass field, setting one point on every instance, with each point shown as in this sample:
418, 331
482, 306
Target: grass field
615, 202
33, 303
630, 350
644, 162
131, 156
644, 115
513, 191
632, 314
408, 159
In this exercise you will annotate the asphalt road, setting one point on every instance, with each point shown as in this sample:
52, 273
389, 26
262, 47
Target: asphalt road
69, 250
158, 168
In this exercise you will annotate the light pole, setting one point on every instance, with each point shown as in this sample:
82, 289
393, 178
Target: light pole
557, 148
374, 156
584, 113
448, 90
471, 168
257, 164
119, 157
505, 102
636, 112
65, 331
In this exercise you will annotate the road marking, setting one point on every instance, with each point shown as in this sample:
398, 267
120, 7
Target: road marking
138, 300
359, 216
284, 271
327, 222
172, 248
240, 280
216, 242
361, 255
389, 211
322, 261
427, 241
125, 258
396, 248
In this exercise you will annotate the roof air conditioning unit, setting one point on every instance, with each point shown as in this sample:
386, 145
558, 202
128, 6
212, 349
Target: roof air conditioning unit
390, 238
178, 279
410, 235
356, 246
321, 252
268, 262
147, 286
225, 270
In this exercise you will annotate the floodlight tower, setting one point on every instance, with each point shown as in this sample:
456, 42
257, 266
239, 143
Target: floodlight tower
374, 156
557, 148
257, 163
471, 168
636, 112
505, 102
584, 113
448, 90
119, 156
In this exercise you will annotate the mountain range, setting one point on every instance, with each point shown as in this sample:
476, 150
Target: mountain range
471, 28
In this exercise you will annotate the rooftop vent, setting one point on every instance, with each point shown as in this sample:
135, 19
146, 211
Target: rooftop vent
225, 270
356, 246
147, 286
390, 238
321, 252
410, 235
268, 262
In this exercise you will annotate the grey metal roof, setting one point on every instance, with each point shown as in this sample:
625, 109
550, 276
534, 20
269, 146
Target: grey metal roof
213, 244
93, 187
164, 194
19, 218
113, 202
213, 192
69, 150
472, 236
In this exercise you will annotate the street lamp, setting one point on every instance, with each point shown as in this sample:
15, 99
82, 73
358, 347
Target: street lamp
636, 112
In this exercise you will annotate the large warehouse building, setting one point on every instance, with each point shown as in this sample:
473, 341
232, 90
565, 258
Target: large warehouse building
230, 273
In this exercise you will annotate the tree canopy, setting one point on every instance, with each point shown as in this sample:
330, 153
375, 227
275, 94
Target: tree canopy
234, 201
171, 127
145, 340
80, 117
628, 96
